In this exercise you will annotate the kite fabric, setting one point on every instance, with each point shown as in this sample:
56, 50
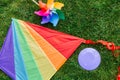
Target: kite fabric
33, 52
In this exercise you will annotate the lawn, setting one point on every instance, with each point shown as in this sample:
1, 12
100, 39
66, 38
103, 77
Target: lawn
89, 19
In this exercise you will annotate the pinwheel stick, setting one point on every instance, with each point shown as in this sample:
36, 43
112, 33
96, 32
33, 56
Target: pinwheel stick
35, 2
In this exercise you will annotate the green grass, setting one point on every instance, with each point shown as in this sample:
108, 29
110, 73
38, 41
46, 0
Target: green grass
89, 19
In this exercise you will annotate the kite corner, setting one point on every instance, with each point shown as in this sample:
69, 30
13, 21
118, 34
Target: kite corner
13, 19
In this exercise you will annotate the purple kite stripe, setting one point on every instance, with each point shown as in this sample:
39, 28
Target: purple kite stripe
7, 56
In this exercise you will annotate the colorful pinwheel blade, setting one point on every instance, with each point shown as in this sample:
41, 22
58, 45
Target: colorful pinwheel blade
58, 5
61, 14
42, 5
42, 13
54, 18
50, 4
45, 19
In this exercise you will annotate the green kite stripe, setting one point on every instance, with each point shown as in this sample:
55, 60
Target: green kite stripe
44, 64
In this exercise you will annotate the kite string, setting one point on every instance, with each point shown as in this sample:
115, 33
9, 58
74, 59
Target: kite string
35, 2
119, 70
109, 45
118, 76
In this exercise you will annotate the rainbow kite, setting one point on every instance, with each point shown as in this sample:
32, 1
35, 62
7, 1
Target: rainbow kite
32, 52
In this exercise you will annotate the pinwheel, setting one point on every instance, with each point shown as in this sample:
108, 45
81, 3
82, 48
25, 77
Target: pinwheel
50, 12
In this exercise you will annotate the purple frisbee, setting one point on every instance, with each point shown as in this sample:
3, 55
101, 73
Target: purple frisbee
89, 59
